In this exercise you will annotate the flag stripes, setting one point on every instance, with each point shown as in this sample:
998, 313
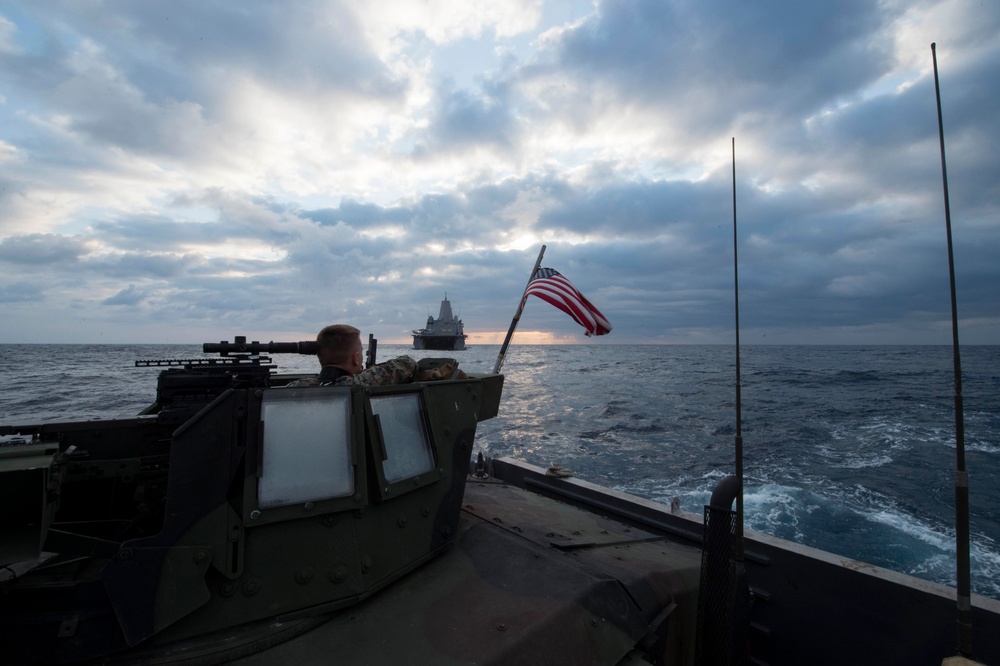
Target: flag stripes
550, 286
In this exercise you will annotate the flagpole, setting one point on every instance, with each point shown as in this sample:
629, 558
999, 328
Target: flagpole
517, 316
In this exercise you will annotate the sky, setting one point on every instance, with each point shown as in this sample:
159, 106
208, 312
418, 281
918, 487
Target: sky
185, 172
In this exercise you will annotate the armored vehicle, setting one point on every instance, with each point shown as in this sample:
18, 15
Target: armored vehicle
238, 519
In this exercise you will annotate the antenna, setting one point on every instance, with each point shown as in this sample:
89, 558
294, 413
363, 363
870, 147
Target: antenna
739, 406
964, 598
724, 595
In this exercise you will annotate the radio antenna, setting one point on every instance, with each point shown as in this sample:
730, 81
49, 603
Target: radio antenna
964, 598
739, 405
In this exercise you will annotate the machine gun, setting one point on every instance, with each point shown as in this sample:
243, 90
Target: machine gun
187, 385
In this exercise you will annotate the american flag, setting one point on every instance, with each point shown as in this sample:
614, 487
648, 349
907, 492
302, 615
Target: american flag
549, 285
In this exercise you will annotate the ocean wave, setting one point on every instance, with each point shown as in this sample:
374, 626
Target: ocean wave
845, 448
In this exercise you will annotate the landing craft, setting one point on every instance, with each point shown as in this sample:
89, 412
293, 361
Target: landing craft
236, 519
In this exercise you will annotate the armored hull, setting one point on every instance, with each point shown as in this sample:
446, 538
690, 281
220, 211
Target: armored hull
445, 333
439, 342
231, 501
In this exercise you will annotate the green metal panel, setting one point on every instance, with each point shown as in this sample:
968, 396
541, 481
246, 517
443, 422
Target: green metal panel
26, 507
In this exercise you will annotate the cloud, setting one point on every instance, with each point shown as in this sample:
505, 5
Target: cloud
8, 32
466, 120
127, 296
21, 292
190, 167
42, 249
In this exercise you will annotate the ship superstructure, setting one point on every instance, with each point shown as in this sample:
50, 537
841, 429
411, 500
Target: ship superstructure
446, 332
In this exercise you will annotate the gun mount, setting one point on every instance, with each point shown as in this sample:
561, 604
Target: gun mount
189, 384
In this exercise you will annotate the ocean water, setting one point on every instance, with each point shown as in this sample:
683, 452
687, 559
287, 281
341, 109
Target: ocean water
848, 449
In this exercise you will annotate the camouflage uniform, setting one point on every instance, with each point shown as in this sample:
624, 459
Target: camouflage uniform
400, 370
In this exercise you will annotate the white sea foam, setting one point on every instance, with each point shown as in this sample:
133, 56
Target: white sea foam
913, 527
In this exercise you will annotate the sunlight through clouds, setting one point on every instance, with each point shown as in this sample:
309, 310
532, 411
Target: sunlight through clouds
443, 21
173, 157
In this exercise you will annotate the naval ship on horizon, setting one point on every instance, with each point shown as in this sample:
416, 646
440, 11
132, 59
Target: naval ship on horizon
446, 332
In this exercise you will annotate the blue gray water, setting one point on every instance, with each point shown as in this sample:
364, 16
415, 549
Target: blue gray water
847, 449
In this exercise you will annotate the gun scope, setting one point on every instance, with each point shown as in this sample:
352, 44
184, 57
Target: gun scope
239, 345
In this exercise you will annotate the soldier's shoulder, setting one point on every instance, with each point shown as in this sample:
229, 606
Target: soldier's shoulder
403, 360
